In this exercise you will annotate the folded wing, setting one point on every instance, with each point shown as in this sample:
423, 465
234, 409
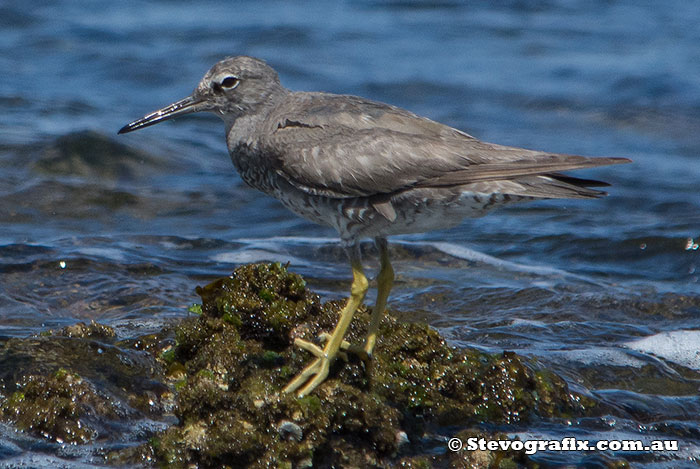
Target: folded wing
345, 146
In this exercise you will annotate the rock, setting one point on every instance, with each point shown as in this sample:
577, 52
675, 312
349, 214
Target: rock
290, 430
59, 407
238, 355
221, 370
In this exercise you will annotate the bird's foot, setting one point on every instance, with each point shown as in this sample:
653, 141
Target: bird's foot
315, 373
317, 351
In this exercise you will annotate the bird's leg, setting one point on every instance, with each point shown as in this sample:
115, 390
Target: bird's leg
315, 373
385, 280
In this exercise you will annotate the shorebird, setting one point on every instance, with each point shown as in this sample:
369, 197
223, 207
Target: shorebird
367, 169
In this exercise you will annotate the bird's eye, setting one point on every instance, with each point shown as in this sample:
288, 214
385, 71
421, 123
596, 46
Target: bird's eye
229, 82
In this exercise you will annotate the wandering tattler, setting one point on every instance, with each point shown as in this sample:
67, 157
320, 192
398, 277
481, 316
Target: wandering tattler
367, 169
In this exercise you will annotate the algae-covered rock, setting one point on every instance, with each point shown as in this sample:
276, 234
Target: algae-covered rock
95, 156
73, 385
265, 301
474, 452
230, 363
81, 330
219, 375
60, 407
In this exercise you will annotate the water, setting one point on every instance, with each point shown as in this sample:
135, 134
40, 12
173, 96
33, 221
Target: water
605, 292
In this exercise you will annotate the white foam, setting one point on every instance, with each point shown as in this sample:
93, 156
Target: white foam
277, 243
285, 240
598, 356
107, 253
461, 252
529, 322
681, 347
256, 255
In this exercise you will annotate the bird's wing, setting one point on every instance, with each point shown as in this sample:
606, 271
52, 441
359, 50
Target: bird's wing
345, 146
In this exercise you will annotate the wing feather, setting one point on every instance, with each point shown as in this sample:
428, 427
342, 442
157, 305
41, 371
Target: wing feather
346, 146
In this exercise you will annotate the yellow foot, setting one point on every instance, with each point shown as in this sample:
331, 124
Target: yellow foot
312, 375
317, 351
317, 371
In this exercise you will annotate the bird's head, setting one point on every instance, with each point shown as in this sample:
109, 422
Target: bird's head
233, 87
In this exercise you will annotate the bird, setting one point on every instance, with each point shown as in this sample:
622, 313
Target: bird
367, 169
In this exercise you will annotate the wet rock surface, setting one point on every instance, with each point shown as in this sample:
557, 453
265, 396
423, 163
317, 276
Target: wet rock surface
61, 406
221, 370
77, 385
92, 155
229, 365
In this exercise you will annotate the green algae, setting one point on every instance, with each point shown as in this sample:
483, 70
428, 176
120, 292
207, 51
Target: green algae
263, 301
74, 385
484, 458
221, 370
58, 407
84, 331
238, 355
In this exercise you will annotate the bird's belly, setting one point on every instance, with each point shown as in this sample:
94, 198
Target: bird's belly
438, 209
417, 211
428, 210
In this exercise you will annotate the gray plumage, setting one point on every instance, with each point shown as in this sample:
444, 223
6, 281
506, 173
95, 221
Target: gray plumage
345, 146
367, 169
349, 159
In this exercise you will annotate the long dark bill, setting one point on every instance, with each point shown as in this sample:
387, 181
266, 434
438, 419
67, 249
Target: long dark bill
179, 108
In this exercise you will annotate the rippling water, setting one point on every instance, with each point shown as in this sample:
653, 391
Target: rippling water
604, 292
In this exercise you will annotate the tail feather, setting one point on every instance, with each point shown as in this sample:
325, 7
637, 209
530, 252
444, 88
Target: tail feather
555, 186
517, 169
580, 182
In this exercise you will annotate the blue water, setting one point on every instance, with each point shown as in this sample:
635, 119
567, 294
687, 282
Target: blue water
594, 290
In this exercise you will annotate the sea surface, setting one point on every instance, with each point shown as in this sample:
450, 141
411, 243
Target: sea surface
605, 293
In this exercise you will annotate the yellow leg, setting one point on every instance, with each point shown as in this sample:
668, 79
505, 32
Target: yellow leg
385, 280
317, 371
